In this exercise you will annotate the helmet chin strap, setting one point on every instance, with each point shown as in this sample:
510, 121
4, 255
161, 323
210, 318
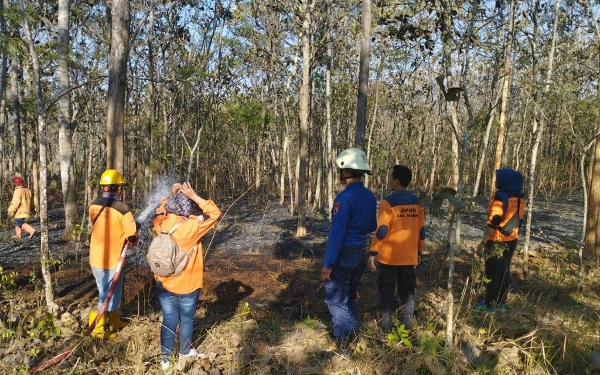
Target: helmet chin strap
352, 176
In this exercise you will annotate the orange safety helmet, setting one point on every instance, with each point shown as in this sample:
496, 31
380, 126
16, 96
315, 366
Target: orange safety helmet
17, 181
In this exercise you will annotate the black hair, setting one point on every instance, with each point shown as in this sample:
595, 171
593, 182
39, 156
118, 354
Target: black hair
402, 174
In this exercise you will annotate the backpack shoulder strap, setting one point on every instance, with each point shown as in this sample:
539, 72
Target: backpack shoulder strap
173, 229
98, 215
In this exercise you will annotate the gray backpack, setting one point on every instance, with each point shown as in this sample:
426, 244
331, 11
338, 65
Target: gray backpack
165, 256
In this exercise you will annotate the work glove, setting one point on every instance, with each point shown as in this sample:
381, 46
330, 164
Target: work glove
133, 240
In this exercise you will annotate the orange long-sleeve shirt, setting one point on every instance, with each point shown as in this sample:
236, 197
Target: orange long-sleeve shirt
112, 226
187, 235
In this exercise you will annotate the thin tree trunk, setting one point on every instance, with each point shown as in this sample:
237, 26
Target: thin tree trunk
447, 63
478, 186
505, 94
3, 69
431, 185
328, 152
363, 76
15, 120
374, 116
303, 120
538, 130
41, 118
151, 105
259, 146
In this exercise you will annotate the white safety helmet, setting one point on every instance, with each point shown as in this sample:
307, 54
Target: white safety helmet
353, 159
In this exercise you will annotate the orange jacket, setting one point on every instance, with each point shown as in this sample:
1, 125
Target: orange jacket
498, 218
400, 234
110, 230
20, 204
187, 235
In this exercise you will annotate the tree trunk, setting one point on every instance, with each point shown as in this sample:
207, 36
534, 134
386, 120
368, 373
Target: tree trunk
303, 120
65, 128
505, 94
260, 140
374, 115
363, 76
592, 235
328, 152
15, 120
479, 187
151, 105
43, 170
3, 69
447, 63
537, 127
592, 229
117, 84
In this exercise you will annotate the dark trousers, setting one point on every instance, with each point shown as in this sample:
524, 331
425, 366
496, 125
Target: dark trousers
497, 270
406, 278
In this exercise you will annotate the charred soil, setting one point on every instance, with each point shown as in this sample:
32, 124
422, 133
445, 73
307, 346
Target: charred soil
262, 310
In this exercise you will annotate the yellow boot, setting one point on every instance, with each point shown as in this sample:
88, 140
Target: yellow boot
100, 331
114, 321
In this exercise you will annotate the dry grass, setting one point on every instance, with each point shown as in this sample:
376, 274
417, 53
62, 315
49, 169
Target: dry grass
551, 327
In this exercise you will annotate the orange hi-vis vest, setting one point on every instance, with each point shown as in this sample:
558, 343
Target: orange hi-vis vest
400, 234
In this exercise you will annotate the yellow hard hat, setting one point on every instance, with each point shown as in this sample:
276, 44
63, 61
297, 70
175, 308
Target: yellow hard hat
111, 177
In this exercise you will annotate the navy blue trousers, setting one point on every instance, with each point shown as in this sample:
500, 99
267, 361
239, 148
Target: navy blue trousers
341, 291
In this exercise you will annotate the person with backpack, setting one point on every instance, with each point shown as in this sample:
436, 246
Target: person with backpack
178, 295
353, 218
505, 214
397, 246
113, 226
20, 208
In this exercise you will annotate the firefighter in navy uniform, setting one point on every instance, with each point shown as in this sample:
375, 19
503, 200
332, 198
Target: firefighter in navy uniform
353, 218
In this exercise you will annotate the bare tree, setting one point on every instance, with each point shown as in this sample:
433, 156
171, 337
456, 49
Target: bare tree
505, 92
363, 76
15, 118
117, 84
307, 6
592, 229
3, 70
43, 169
65, 127
538, 121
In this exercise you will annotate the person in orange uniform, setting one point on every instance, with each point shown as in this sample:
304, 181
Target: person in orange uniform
397, 246
20, 208
499, 248
178, 295
113, 226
